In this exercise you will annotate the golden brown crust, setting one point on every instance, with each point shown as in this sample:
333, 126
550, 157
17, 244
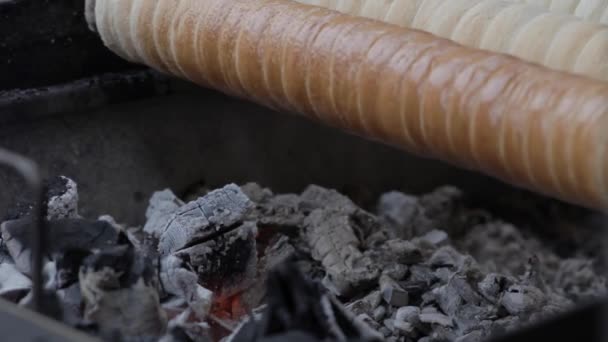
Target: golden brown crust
526, 30
521, 122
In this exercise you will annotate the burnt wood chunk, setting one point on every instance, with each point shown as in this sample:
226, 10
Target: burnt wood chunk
333, 242
161, 206
63, 235
298, 304
177, 279
13, 284
226, 264
212, 215
62, 202
119, 289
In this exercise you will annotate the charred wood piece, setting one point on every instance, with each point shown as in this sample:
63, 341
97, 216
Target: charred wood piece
119, 289
303, 309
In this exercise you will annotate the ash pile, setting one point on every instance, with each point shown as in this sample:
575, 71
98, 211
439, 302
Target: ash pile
240, 263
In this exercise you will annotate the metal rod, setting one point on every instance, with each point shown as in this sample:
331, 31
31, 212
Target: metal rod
29, 170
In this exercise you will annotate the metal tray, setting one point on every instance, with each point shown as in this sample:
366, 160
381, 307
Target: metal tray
122, 132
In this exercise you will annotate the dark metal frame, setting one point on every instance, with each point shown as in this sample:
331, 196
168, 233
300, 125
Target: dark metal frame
77, 65
30, 172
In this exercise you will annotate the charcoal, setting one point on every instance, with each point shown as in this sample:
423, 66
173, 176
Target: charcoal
396, 271
444, 274
214, 214
173, 305
176, 334
116, 336
415, 288
15, 246
399, 211
411, 217
13, 285
579, 279
392, 292
533, 274
473, 336
68, 265
161, 206
443, 333
389, 323
448, 298
144, 243
439, 206
500, 246
374, 299
505, 324
181, 329
359, 307
468, 316
48, 294
493, 285
421, 252
177, 280
62, 202
277, 252
71, 300
367, 320
110, 220
283, 210
256, 193
296, 303
295, 336
409, 314
227, 263
365, 305
407, 319
465, 290
362, 223
446, 256
557, 303
379, 313
421, 274
404, 252
520, 299
4, 254
333, 242
434, 238
404, 328
63, 235
316, 197
49, 275
377, 238
430, 315
278, 211
187, 333
120, 293
384, 331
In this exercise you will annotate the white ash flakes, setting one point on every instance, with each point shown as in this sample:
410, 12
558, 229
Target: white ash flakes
63, 202
415, 270
423, 280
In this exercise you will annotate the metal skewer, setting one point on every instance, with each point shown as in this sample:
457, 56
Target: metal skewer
29, 170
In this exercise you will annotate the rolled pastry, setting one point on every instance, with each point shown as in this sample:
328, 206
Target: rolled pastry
529, 31
590, 10
520, 122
